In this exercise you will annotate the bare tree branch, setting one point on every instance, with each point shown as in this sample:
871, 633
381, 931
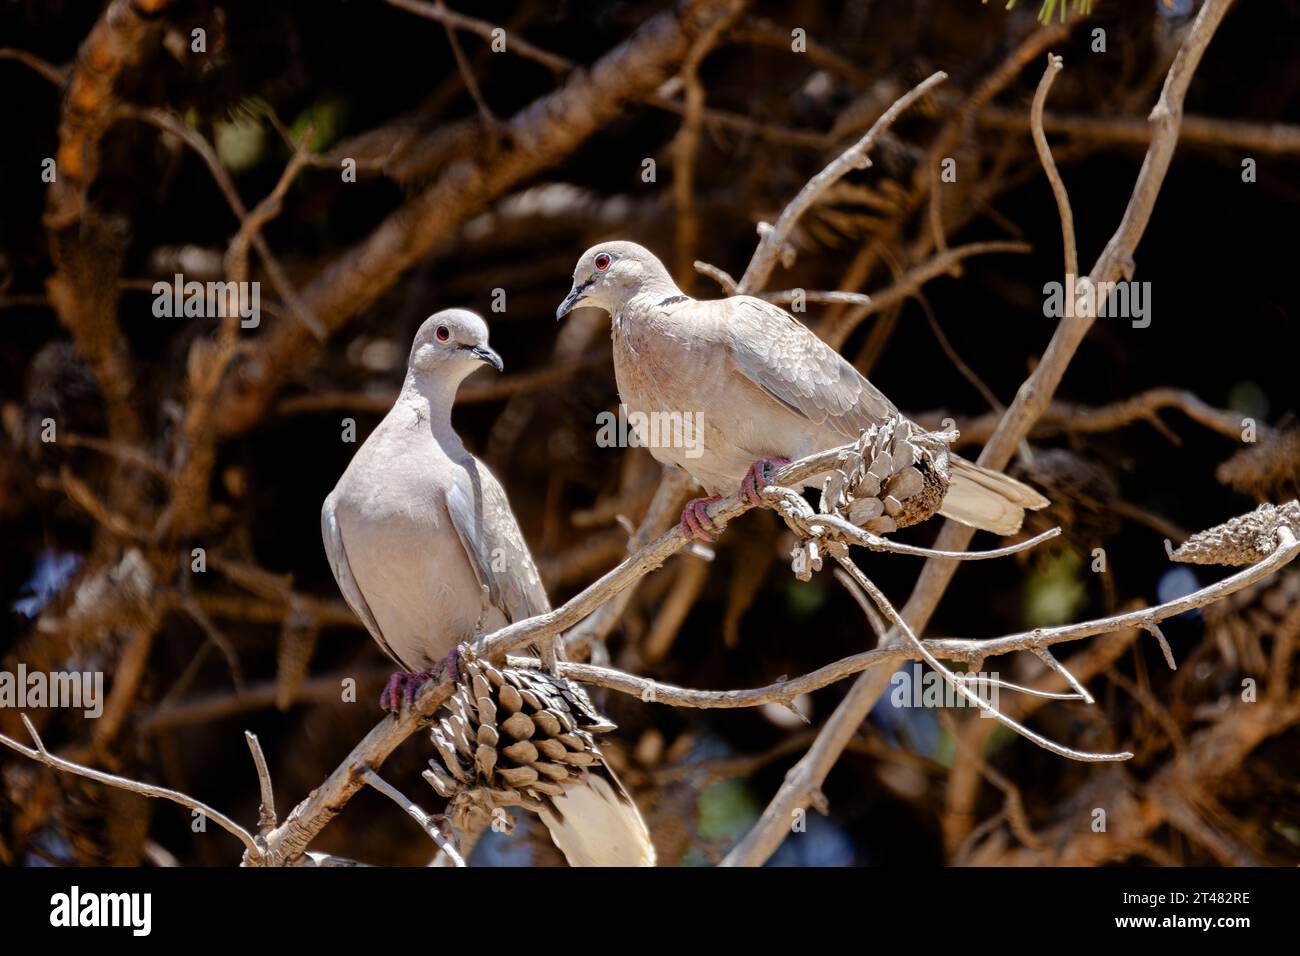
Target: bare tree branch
772, 239
426, 822
1030, 402
533, 139
266, 812
1054, 64
41, 755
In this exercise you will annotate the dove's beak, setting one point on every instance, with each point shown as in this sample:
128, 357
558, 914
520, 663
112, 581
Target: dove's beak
572, 300
485, 354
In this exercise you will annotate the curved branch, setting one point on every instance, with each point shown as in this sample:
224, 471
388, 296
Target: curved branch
1031, 400
56, 75
855, 157
1054, 64
838, 329
41, 755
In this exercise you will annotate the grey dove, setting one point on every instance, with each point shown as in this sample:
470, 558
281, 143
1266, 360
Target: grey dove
765, 389
428, 554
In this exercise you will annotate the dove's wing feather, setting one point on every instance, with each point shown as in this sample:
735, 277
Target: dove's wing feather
597, 824
494, 543
338, 557
987, 499
788, 362
792, 365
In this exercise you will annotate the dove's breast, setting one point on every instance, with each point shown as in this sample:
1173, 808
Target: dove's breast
404, 552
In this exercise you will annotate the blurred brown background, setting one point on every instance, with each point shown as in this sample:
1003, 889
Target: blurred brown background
171, 437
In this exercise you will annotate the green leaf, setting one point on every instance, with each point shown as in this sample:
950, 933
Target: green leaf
1049, 7
998, 737
804, 597
727, 810
239, 143
325, 117
1288, 830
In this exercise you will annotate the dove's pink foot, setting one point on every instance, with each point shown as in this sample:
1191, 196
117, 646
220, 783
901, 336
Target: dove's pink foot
696, 523
402, 687
758, 477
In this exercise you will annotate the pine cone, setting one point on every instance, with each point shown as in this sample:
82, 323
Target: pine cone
511, 737
898, 478
1243, 540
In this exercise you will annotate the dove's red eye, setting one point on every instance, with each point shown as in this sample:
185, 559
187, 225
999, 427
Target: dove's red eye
443, 333
602, 262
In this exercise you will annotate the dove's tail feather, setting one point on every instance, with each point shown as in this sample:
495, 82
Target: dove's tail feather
595, 823
987, 499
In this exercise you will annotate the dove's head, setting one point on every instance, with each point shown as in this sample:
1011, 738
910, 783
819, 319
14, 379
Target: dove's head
452, 343
611, 273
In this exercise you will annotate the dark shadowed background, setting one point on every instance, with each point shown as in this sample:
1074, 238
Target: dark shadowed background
98, 527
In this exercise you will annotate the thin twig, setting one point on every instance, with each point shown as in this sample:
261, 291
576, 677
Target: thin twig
1286, 551
166, 121
214, 634
1244, 135
415, 813
887, 608
466, 72
823, 297
125, 453
56, 75
266, 819
860, 596
685, 147
81, 494
944, 263
42, 755
459, 21
266, 210
773, 238
720, 276
1154, 630
780, 692
1054, 65
1050, 660
1072, 418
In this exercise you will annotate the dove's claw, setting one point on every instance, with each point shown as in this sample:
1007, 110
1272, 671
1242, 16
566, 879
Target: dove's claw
390, 699
402, 687
450, 665
758, 477
414, 682
696, 523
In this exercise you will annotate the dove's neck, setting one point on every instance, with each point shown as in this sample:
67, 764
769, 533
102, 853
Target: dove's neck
431, 398
650, 293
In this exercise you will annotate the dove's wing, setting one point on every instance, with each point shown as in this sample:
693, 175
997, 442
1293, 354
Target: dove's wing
495, 545
792, 365
338, 557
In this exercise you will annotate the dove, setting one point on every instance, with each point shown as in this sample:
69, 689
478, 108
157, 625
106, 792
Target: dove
428, 554
759, 387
